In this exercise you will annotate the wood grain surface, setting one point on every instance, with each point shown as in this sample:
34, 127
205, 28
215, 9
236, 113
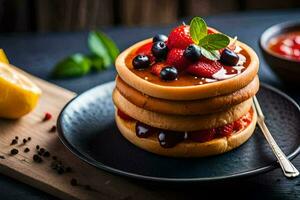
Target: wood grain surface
41, 175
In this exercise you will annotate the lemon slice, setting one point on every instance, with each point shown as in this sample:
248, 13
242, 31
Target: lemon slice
3, 57
18, 94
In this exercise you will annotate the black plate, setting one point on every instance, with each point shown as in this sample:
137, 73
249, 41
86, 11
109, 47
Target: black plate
86, 126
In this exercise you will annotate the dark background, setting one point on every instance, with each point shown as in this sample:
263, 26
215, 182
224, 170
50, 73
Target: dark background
70, 15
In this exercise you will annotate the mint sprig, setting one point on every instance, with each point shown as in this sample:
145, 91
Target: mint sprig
103, 54
208, 43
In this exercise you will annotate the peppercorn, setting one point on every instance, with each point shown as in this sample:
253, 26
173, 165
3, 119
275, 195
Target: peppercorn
53, 129
37, 147
46, 154
26, 150
14, 141
24, 141
14, 151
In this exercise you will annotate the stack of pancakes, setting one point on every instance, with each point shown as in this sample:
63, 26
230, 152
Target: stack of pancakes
184, 109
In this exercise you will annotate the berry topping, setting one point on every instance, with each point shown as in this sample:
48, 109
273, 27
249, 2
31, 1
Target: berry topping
160, 38
141, 62
203, 135
168, 139
192, 53
175, 58
168, 73
228, 57
204, 68
157, 67
159, 50
124, 116
226, 130
238, 125
180, 37
143, 130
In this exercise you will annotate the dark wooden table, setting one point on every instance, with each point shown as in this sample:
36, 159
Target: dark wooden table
37, 53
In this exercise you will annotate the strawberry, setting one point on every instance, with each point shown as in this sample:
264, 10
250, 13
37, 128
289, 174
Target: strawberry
175, 58
146, 50
225, 130
180, 37
123, 115
210, 31
202, 135
204, 68
157, 67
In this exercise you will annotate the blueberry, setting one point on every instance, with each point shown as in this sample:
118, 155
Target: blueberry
141, 62
159, 50
192, 53
228, 57
168, 73
160, 38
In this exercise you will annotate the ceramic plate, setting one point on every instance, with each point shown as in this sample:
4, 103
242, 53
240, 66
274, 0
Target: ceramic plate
86, 126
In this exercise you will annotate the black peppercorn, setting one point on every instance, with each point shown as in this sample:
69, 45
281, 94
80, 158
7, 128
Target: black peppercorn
14, 141
14, 151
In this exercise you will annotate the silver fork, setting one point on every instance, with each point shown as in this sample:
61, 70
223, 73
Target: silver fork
287, 167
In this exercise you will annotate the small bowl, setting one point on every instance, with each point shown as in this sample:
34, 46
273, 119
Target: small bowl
287, 69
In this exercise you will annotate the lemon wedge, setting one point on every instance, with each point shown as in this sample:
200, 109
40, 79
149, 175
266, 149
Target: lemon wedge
3, 57
18, 94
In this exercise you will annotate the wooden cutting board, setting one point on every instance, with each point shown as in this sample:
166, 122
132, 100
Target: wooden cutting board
41, 175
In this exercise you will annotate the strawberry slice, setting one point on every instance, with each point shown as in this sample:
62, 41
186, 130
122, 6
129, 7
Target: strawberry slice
204, 68
180, 37
157, 67
202, 135
175, 58
225, 130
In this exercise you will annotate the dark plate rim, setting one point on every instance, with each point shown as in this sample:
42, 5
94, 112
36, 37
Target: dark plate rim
112, 170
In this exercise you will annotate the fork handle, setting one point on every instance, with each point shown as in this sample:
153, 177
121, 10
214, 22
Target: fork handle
287, 167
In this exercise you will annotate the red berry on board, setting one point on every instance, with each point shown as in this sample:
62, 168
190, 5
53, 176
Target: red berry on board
176, 58
204, 68
180, 37
47, 116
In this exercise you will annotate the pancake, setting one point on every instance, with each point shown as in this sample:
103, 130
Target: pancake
193, 92
186, 149
192, 107
181, 122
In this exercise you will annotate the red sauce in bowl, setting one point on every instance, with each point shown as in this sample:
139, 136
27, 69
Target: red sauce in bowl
286, 45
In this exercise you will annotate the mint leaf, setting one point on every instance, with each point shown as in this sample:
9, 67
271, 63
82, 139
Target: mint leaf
101, 45
72, 66
97, 63
211, 55
214, 41
198, 29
